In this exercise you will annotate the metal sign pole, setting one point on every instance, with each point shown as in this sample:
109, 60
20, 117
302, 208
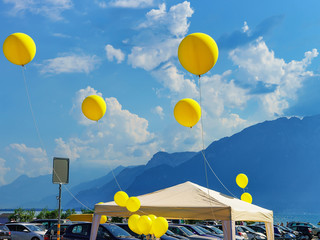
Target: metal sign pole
59, 213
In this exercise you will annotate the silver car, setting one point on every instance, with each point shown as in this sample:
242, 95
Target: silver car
25, 231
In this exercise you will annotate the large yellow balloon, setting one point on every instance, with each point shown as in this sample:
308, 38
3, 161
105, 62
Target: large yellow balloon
19, 48
133, 204
246, 197
242, 180
160, 226
187, 112
198, 53
145, 224
133, 223
94, 107
121, 198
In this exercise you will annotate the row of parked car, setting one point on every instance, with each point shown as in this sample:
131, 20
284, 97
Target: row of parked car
47, 230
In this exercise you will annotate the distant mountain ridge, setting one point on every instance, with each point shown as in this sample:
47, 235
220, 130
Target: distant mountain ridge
280, 158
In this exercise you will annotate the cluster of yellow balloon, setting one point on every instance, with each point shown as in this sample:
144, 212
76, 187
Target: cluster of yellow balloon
94, 107
197, 53
122, 199
148, 224
242, 181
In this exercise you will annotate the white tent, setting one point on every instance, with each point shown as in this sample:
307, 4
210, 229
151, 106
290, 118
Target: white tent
191, 201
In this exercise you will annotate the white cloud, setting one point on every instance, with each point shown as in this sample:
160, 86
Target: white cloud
259, 64
48, 8
70, 63
131, 3
160, 36
113, 53
245, 27
159, 111
31, 161
176, 82
3, 171
120, 137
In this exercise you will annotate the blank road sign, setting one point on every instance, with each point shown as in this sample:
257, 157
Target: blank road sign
60, 173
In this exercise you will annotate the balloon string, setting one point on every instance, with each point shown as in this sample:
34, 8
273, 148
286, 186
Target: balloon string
203, 152
114, 176
39, 135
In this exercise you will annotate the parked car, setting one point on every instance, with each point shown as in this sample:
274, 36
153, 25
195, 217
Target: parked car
183, 231
5, 233
48, 223
25, 231
142, 236
51, 234
289, 230
261, 229
240, 234
172, 234
215, 230
197, 231
106, 231
305, 231
251, 233
315, 229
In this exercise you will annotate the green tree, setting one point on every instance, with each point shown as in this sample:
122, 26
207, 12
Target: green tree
21, 215
86, 211
117, 219
67, 213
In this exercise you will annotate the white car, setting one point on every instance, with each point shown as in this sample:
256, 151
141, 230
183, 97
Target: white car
25, 231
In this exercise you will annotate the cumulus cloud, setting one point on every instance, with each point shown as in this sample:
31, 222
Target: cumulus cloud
120, 137
114, 54
159, 111
259, 65
160, 35
131, 3
48, 8
70, 63
3, 171
31, 161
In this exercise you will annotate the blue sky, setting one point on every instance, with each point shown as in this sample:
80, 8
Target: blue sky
126, 51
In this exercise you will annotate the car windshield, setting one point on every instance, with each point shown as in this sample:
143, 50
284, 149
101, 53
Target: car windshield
186, 231
204, 230
168, 232
246, 229
216, 230
117, 231
4, 228
34, 228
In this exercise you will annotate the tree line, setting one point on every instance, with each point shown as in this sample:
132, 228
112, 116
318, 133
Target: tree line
23, 215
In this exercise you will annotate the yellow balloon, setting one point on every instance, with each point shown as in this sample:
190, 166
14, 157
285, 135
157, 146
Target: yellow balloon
103, 219
133, 223
19, 48
246, 197
100, 203
242, 180
198, 53
133, 204
160, 226
121, 198
152, 217
187, 112
145, 224
94, 107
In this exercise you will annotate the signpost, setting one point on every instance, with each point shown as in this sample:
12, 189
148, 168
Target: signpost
60, 175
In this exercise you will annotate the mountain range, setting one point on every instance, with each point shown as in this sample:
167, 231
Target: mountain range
280, 158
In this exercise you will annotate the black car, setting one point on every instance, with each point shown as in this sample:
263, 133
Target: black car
305, 231
51, 234
105, 231
5, 233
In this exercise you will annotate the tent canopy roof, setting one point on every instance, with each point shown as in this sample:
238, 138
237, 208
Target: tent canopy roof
190, 201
